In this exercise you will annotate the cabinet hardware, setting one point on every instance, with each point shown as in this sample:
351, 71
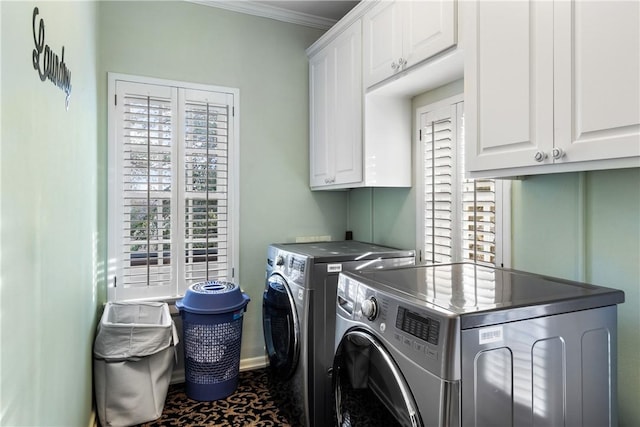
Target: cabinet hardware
330, 180
540, 156
557, 153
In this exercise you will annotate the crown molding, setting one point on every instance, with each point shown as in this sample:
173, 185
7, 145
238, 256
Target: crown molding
266, 11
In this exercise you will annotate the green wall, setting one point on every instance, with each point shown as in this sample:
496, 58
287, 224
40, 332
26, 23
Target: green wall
266, 60
586, 226
48, 201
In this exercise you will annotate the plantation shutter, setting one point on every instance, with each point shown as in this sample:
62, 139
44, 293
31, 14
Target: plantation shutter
170, 216
147, 178
459, 213
206, 177
440, 182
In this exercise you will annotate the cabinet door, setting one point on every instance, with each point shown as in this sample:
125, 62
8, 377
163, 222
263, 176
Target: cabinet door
597, 79
320, 94
347, 106
429, 28
508, 83
382, 41
335, 75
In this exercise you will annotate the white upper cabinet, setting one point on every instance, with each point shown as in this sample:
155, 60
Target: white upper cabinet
335, 78
597, 79
382, 42
551, 86
400, 34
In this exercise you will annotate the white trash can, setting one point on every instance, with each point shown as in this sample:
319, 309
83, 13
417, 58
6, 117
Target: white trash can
134, 356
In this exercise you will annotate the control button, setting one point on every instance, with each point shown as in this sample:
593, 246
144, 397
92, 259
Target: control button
432, 353
433, 338
383, 327
408, 342
418, 346
370, 308
397, 336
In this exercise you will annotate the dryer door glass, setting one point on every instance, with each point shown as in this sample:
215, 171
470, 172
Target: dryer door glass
280, 325
369, 389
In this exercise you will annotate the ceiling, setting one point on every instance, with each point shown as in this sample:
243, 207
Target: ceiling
321, 14
320, 8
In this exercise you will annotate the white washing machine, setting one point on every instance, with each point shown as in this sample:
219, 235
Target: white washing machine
299, 318
468, 345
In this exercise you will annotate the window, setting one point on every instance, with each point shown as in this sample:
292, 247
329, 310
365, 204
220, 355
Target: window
171, 186
460, 219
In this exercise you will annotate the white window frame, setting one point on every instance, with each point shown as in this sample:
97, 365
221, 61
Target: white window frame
502, 191
178, 284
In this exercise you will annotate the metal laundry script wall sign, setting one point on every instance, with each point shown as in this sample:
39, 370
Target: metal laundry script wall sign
47, 62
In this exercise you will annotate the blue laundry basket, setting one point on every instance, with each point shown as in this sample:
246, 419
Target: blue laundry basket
212, 315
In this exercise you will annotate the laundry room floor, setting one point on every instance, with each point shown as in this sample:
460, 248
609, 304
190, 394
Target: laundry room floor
254, 403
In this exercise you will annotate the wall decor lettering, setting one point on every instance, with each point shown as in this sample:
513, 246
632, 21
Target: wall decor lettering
47, 62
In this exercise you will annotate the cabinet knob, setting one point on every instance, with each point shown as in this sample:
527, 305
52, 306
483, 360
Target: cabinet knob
397, 66
557, 153
330, 180
540, 156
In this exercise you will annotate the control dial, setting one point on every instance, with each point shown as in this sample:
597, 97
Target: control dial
369, 308
279, 260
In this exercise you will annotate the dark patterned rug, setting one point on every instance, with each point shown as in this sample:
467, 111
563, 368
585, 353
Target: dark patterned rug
254, 403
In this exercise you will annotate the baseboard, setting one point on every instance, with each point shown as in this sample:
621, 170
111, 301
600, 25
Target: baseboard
246, 364
250, 363
93, 418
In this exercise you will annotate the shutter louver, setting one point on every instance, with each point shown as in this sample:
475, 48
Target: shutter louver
439, 182
206, 189
478, 220
146, 190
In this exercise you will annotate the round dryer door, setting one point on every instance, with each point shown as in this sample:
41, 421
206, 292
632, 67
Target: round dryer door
369, 389
280, 325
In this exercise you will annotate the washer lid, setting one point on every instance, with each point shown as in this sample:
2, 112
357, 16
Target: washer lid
341, 251
483, 295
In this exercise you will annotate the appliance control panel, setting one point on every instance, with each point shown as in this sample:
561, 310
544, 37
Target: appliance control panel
419, 326
410, 327
292, 266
